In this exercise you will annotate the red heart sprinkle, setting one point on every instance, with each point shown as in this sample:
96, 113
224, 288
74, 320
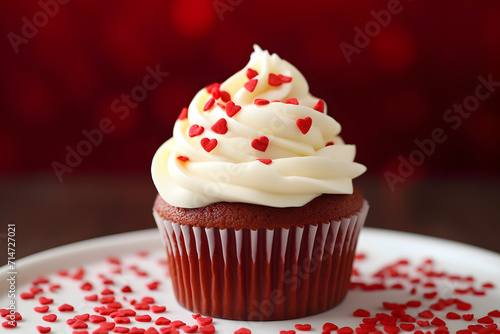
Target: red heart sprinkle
40, 280
251, 73
153, 285
215, 93
158, 309
328, 326
389, 321
250, 85
27, 295
475, 328
292, 101
407, 318
96, 319
107, 292
119, 329
195, 130
50, 317
452, 315
361, 313
126, 289
79, 325
86, 286
265, 161
430, 295
441, 330
243, 331
440, 305
485, 320
204, 321
209, 104
79, 274
284, 78
91, 298
220, 126
225, 96
370, 320
462, 331
183, 114
42, 329
274, 80
468, 317
320, 106
391, 329
303, 327
82, 317
128, 312
107, 300
141, 306
143, 318
45, 301
261, 102
208, 144
260, 144
207, 329
148, 300
195, 315
495, 313
107, 325
162, 321
212, 86
399, 312
411, 303
117, 314
41, 309
190, 329
177, 324
287, 332
426, 314
123, 320
183, 158
36, 290
345, 330
407, 327
9, 324
304, 124
62, 272
97, 331
438, 322
70, 321
463, 305
423, 323
65, 308
232, 109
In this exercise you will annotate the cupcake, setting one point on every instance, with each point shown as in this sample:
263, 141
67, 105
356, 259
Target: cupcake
256, 203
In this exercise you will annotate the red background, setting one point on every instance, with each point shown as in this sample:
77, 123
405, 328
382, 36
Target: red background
64, 79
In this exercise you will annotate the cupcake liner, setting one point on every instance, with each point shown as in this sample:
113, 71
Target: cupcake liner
264, 274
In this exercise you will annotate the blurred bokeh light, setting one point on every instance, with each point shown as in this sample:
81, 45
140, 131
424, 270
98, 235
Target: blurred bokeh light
64, 77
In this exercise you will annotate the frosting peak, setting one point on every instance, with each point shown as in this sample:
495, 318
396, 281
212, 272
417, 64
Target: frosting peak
259, 137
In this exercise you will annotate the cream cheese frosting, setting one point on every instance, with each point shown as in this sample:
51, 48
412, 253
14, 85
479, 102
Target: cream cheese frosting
259, 137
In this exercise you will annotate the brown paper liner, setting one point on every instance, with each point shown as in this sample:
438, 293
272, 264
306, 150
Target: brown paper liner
261, 274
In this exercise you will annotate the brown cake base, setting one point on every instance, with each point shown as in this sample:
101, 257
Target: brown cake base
263, 274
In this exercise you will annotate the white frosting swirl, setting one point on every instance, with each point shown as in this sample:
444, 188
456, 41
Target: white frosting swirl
219, 163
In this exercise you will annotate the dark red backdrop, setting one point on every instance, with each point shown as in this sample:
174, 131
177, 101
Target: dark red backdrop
64, 63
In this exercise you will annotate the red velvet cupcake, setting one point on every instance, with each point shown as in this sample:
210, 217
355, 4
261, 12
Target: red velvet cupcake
256, 204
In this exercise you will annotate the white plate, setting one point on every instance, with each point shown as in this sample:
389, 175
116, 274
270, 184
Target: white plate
381, 248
